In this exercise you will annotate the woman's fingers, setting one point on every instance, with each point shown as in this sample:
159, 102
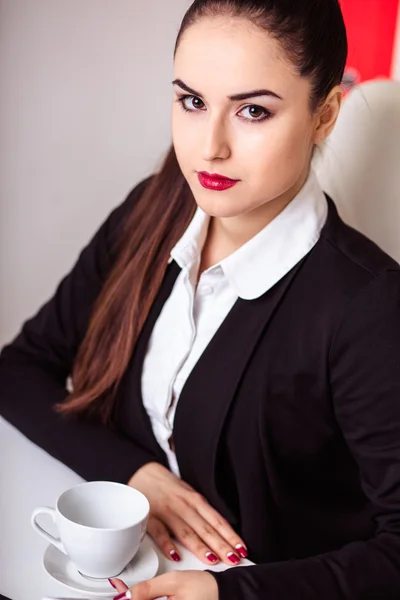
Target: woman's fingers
212, 528
161, 536
209, 551
180, 585
177, 510
186, 535
221, 526
118, 585
166, 584
223, 545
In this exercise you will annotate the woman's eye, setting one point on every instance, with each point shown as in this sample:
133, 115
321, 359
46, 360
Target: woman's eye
256, 113
190, 103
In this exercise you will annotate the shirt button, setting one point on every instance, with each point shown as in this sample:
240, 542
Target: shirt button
205, 290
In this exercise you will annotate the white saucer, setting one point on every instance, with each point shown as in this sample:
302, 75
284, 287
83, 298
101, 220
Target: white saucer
59, 566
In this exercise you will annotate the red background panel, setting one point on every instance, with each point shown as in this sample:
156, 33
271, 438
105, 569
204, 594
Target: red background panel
371, 28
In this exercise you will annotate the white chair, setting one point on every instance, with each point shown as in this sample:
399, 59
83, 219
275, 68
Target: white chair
359, 165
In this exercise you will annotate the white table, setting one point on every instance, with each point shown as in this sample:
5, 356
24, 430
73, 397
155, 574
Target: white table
29, 477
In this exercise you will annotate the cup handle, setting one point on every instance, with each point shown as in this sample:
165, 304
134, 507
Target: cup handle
50, 538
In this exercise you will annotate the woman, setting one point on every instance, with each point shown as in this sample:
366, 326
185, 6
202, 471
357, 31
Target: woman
234, 346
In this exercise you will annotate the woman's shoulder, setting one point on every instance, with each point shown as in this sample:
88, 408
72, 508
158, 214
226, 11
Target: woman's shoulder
109, 234
119, 214
351, 251
345, 267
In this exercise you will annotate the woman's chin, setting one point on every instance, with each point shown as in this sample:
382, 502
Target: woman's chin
214, 209
219, 204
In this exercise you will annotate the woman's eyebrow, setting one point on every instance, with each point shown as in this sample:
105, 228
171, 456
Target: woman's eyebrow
234, 97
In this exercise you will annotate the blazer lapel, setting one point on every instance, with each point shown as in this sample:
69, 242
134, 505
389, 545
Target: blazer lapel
211, 387
131, 413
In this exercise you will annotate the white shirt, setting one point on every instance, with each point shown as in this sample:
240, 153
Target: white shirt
190, 317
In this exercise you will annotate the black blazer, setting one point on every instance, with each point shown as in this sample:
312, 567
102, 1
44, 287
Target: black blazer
289, 424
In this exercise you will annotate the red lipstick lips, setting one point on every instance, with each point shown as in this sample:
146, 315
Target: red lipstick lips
215, 182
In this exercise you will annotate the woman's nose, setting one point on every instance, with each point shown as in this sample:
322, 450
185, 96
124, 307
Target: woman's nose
215, 141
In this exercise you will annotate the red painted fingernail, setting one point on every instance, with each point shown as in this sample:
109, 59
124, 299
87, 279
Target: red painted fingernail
175, 556
233, 558
125, 596
211, 556
242, 551
111, 583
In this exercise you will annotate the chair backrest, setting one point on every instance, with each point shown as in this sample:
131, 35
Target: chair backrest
359, 166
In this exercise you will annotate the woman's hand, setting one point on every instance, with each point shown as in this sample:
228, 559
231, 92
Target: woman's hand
176, 509
176, 585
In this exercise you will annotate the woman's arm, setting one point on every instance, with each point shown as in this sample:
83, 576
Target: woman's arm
365, 381
35, 366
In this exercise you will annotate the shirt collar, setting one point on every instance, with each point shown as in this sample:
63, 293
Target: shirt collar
260, 263
188, 249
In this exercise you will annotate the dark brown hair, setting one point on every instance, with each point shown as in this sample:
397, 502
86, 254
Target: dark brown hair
313, 35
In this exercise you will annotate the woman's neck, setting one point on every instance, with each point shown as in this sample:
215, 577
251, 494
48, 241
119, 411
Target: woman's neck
226, 235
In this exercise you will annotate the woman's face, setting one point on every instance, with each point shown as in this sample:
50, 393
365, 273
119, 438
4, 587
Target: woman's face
265, 141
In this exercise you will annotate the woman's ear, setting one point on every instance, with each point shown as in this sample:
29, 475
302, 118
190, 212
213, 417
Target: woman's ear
327, 114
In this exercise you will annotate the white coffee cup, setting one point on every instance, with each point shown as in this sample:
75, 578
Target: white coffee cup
101, 525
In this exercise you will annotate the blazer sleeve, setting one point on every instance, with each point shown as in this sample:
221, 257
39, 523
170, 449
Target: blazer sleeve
365, 386
35, 366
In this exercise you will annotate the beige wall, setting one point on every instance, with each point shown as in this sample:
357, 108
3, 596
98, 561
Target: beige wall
84, 114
